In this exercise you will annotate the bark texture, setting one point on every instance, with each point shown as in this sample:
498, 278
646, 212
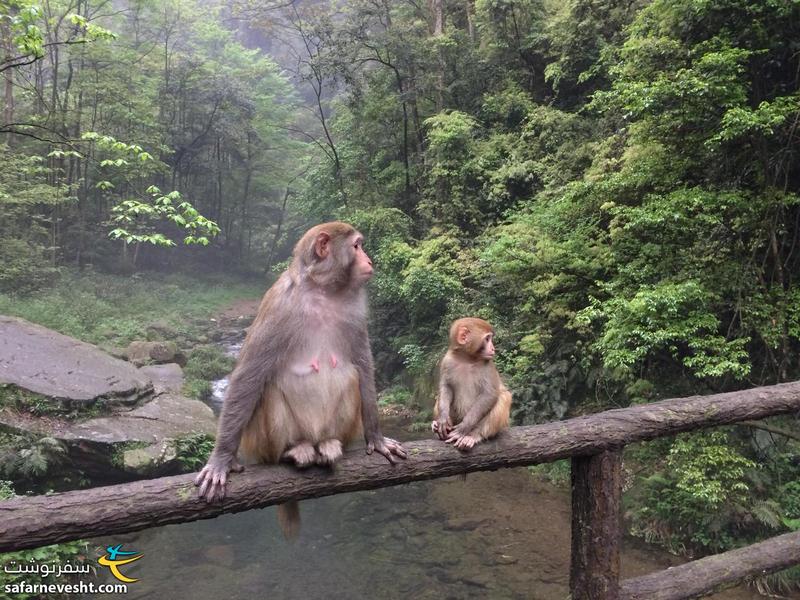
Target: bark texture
596, 527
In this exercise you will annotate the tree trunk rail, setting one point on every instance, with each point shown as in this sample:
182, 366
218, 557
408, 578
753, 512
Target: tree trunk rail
592, 442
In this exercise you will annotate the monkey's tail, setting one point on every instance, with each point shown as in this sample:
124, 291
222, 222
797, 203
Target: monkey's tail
289, 519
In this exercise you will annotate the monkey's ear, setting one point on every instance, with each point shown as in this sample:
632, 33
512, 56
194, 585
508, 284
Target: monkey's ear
463, 335
322, 245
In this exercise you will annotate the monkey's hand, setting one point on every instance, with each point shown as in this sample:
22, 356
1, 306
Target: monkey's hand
387, 447
214, 475
461, 440
442, 428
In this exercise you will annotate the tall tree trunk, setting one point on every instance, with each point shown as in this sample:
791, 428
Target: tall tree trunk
469, 7
276, 237
245, 196
437, 13
8, 75
218, 207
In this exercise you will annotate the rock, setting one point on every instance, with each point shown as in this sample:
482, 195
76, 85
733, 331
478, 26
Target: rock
137, 442
140, 353
180, 358
67, 370
144, 461
168, 415
166, 378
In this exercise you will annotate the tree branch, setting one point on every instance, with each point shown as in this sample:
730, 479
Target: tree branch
776, 430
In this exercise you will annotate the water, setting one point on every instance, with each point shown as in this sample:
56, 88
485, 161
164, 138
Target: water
220, 386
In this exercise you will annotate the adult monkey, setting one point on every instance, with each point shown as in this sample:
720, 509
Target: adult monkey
304, 381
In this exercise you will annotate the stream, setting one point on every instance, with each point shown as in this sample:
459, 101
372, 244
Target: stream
495, 535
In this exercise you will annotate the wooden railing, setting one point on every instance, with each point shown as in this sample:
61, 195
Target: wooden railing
593, 442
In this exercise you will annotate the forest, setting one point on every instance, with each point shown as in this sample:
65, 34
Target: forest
613, 184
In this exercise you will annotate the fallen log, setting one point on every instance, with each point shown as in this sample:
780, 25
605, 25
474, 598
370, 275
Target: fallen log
701, 577
28, 522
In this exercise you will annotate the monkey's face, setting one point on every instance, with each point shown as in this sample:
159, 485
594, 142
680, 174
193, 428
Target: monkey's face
487, 347
335, 257
361, 266
473, 337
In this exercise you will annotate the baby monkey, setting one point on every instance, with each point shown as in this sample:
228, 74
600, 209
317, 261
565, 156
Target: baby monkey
473, 404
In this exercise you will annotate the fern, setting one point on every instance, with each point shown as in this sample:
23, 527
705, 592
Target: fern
768, 513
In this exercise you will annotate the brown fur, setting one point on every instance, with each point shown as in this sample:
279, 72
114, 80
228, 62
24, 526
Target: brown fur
473, 403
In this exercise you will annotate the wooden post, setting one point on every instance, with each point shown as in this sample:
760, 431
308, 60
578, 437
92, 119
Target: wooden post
596, 529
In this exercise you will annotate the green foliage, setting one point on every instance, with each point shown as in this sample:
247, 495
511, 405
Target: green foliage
20, 399
135, 220
30, 458
705, 498
396, 395
450, 149
6, 489
790, 500
668, 317
558, 473
26, 197
708, 470
24, 268
425, 278
24, 20
223, 131
192, 451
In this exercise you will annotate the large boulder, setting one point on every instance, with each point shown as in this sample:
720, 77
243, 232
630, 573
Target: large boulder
64, 369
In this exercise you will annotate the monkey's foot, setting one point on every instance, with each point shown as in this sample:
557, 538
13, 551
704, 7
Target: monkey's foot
329, 452
463, 441
467, 442
302, 455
